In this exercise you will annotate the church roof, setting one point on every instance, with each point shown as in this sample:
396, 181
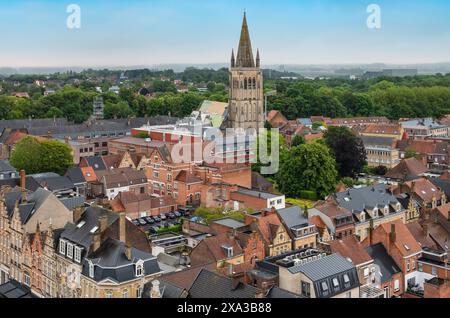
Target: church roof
245, 53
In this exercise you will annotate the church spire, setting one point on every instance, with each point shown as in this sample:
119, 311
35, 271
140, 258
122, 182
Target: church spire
245, 54
232, 59
258, 61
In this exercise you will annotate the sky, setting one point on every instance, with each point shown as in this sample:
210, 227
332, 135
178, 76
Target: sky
148, 32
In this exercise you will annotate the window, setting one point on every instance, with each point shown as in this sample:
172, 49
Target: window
366, 272
108, 294
91, 269
348, 295
139, 269
26, 279
335, 282
396, 285
306, 289
433, 270
346, 279
125, 293
155, 174
324, 286
139, 292
413, 264
408, 265
420, 267
62, 247
69, 250
77, 254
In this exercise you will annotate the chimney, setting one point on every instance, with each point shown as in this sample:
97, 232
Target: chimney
103, 223
96, 241
305, 211
122, 227
77, 213
425, 229
392, 234
23, 178
128, 252
370, 232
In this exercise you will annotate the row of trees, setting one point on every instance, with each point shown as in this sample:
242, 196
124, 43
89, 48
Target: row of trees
305, 98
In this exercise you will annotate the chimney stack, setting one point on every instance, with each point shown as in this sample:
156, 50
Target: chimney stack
128, 252
122, 227
77, 213
96, 241
23, 178
392, 235
370, 232
103, 223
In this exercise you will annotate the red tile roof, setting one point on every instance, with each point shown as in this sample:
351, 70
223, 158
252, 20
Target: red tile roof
404, 240
383, 129
351, 248
425, 189
410, 167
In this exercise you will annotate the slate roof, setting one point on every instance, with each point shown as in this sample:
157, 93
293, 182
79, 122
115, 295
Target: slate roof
167, 289
96, 162
387, 142
324, 267
82, 236
209, 284
443, 184
5, 166
256, 194
110, 262
56, 183
388, 267
292, 216
229, 222
34, 202
75, 175
31, 183
367, 197
13, 289
277, 292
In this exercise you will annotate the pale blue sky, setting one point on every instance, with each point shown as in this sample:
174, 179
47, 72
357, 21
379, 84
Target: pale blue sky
147, 32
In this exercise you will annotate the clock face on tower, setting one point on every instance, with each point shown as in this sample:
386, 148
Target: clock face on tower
73, 276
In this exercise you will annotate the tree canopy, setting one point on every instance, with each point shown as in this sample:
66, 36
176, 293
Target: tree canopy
348, 150
35, 156
309, 167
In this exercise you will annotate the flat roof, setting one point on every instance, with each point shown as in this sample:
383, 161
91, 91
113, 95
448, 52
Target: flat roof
229, 222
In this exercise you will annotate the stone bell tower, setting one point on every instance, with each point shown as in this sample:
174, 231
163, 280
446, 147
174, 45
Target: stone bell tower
246, 96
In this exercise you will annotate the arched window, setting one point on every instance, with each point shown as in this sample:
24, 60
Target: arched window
139, 268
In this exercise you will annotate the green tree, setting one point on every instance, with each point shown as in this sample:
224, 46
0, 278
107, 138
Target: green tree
297, 141
348, 150
119, 110
56, 156
47, 156
309, 167
411, 153
26, 155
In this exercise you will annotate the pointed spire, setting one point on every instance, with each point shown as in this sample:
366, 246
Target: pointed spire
232, 59
258, 61
245, 54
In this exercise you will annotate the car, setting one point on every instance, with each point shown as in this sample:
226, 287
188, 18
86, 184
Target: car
177, 222
136, 222
149, 220
177, 214
156, 218
163, 216
171, 215
142, 221
154, 229
165, 225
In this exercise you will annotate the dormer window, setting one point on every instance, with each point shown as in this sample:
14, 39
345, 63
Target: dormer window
69, 250
91, 269
228, 250
335, 282
139, 268
62, 247
78, 254
362, 216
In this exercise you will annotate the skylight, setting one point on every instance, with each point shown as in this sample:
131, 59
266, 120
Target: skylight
346, 199
79, 225
95, 228
406, 247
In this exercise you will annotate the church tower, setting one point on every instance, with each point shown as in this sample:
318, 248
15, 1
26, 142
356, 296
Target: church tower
246, 96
